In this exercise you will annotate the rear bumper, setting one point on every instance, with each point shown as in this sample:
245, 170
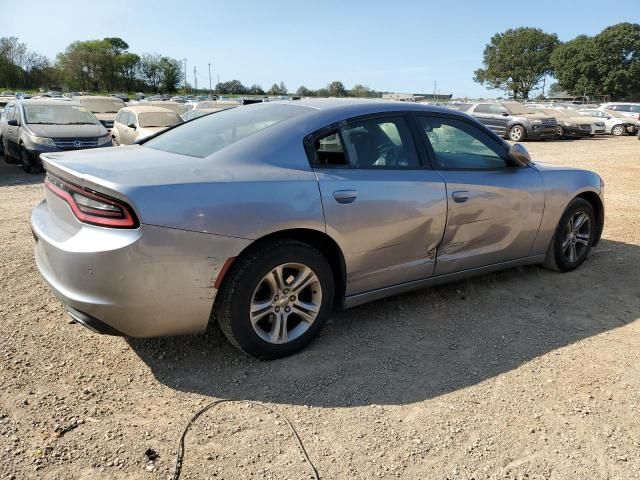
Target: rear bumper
147, 282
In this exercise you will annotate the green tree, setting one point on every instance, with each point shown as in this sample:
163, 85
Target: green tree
304, 91
517, 60
361, 91
150, 69
336, 89
575, 66
618, 59
255, 89
170, 73
128, 65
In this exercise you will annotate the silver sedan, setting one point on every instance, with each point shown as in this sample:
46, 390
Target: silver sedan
270, 216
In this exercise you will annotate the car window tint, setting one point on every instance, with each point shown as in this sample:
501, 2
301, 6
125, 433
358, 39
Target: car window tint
329, 150
459, 145
498, 109
380, 143
212, 133
634, 108
483, 108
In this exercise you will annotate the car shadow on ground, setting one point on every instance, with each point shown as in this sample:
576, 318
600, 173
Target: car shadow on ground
420, 345
11, 174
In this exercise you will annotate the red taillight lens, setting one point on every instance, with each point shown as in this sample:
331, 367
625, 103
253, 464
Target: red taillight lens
92, 207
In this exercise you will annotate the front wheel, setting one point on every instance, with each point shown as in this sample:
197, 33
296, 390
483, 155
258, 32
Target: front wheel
573, 237
560, 132
275, 300
618, 130
517, 133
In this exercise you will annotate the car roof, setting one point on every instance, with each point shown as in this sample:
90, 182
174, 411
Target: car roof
147, 109
47, 101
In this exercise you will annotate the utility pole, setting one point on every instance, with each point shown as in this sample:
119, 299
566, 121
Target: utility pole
209, 79
185, 75
195, 79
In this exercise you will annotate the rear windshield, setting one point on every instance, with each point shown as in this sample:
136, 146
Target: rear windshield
58, 115
210, 133
158, 119
103, 105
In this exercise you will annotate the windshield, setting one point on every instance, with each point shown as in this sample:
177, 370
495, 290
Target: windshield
210, 133
158, 119
554, 113
58, 115
103, 105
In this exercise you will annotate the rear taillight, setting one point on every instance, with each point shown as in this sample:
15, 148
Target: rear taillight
92, 207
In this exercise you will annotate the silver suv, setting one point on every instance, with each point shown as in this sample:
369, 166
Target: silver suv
512, 120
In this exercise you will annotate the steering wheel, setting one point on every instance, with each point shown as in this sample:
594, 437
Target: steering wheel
389, 153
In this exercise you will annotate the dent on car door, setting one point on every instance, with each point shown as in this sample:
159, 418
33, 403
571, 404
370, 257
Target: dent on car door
385, 210
494, 209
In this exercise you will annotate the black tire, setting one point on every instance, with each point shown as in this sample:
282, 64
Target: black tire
517, 133
618, 130
560, 132
232, 308
557, 255
5, 154
25, 161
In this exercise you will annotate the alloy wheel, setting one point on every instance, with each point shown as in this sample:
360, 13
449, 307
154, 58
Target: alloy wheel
577, 234
516, 133
618, 130
285, 303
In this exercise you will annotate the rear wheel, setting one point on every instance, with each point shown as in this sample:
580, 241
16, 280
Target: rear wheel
28, 164
618, 130
275, 300
560, 132
517, 133
573, 237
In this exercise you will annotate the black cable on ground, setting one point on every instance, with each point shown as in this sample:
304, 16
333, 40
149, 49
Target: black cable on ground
181, 451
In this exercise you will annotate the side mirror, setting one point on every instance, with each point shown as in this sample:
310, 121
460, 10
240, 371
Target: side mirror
505, 114
519, 155
13, 123
132, 125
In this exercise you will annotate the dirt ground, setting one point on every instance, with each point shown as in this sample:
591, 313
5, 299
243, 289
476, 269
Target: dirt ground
524, 374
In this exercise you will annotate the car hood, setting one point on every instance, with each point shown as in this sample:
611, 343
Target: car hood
144, 132
110, 117
67, 131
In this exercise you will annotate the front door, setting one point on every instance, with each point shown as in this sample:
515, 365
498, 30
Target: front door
495, 208
490, 115
12, 132
383, 207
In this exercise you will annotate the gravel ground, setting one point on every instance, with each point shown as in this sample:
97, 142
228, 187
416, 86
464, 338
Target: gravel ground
521, 374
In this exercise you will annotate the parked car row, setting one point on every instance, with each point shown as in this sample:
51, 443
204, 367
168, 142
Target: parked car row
517, 121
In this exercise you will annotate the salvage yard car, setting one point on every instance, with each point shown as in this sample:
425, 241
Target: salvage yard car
29, 128
615, 123
513, 120
271, 215
140, 121
104, 108
572, 125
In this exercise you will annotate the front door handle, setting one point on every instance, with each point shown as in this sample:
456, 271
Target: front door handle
345, 196
460, 196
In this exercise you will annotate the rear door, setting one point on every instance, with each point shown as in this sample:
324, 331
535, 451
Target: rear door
385, 209
494, 208
486, 114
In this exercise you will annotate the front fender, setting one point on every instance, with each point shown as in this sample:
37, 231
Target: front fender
561, 186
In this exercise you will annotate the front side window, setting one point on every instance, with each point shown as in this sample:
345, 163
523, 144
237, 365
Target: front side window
459, 145
11, 112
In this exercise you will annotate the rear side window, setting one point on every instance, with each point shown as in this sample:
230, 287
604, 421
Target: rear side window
208, 134
371, 143
634, 108
621, 108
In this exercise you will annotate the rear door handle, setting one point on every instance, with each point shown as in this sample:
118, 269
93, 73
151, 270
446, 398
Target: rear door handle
460, 196
345, 196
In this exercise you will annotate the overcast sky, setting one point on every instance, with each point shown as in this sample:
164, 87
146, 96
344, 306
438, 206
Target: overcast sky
402, 46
